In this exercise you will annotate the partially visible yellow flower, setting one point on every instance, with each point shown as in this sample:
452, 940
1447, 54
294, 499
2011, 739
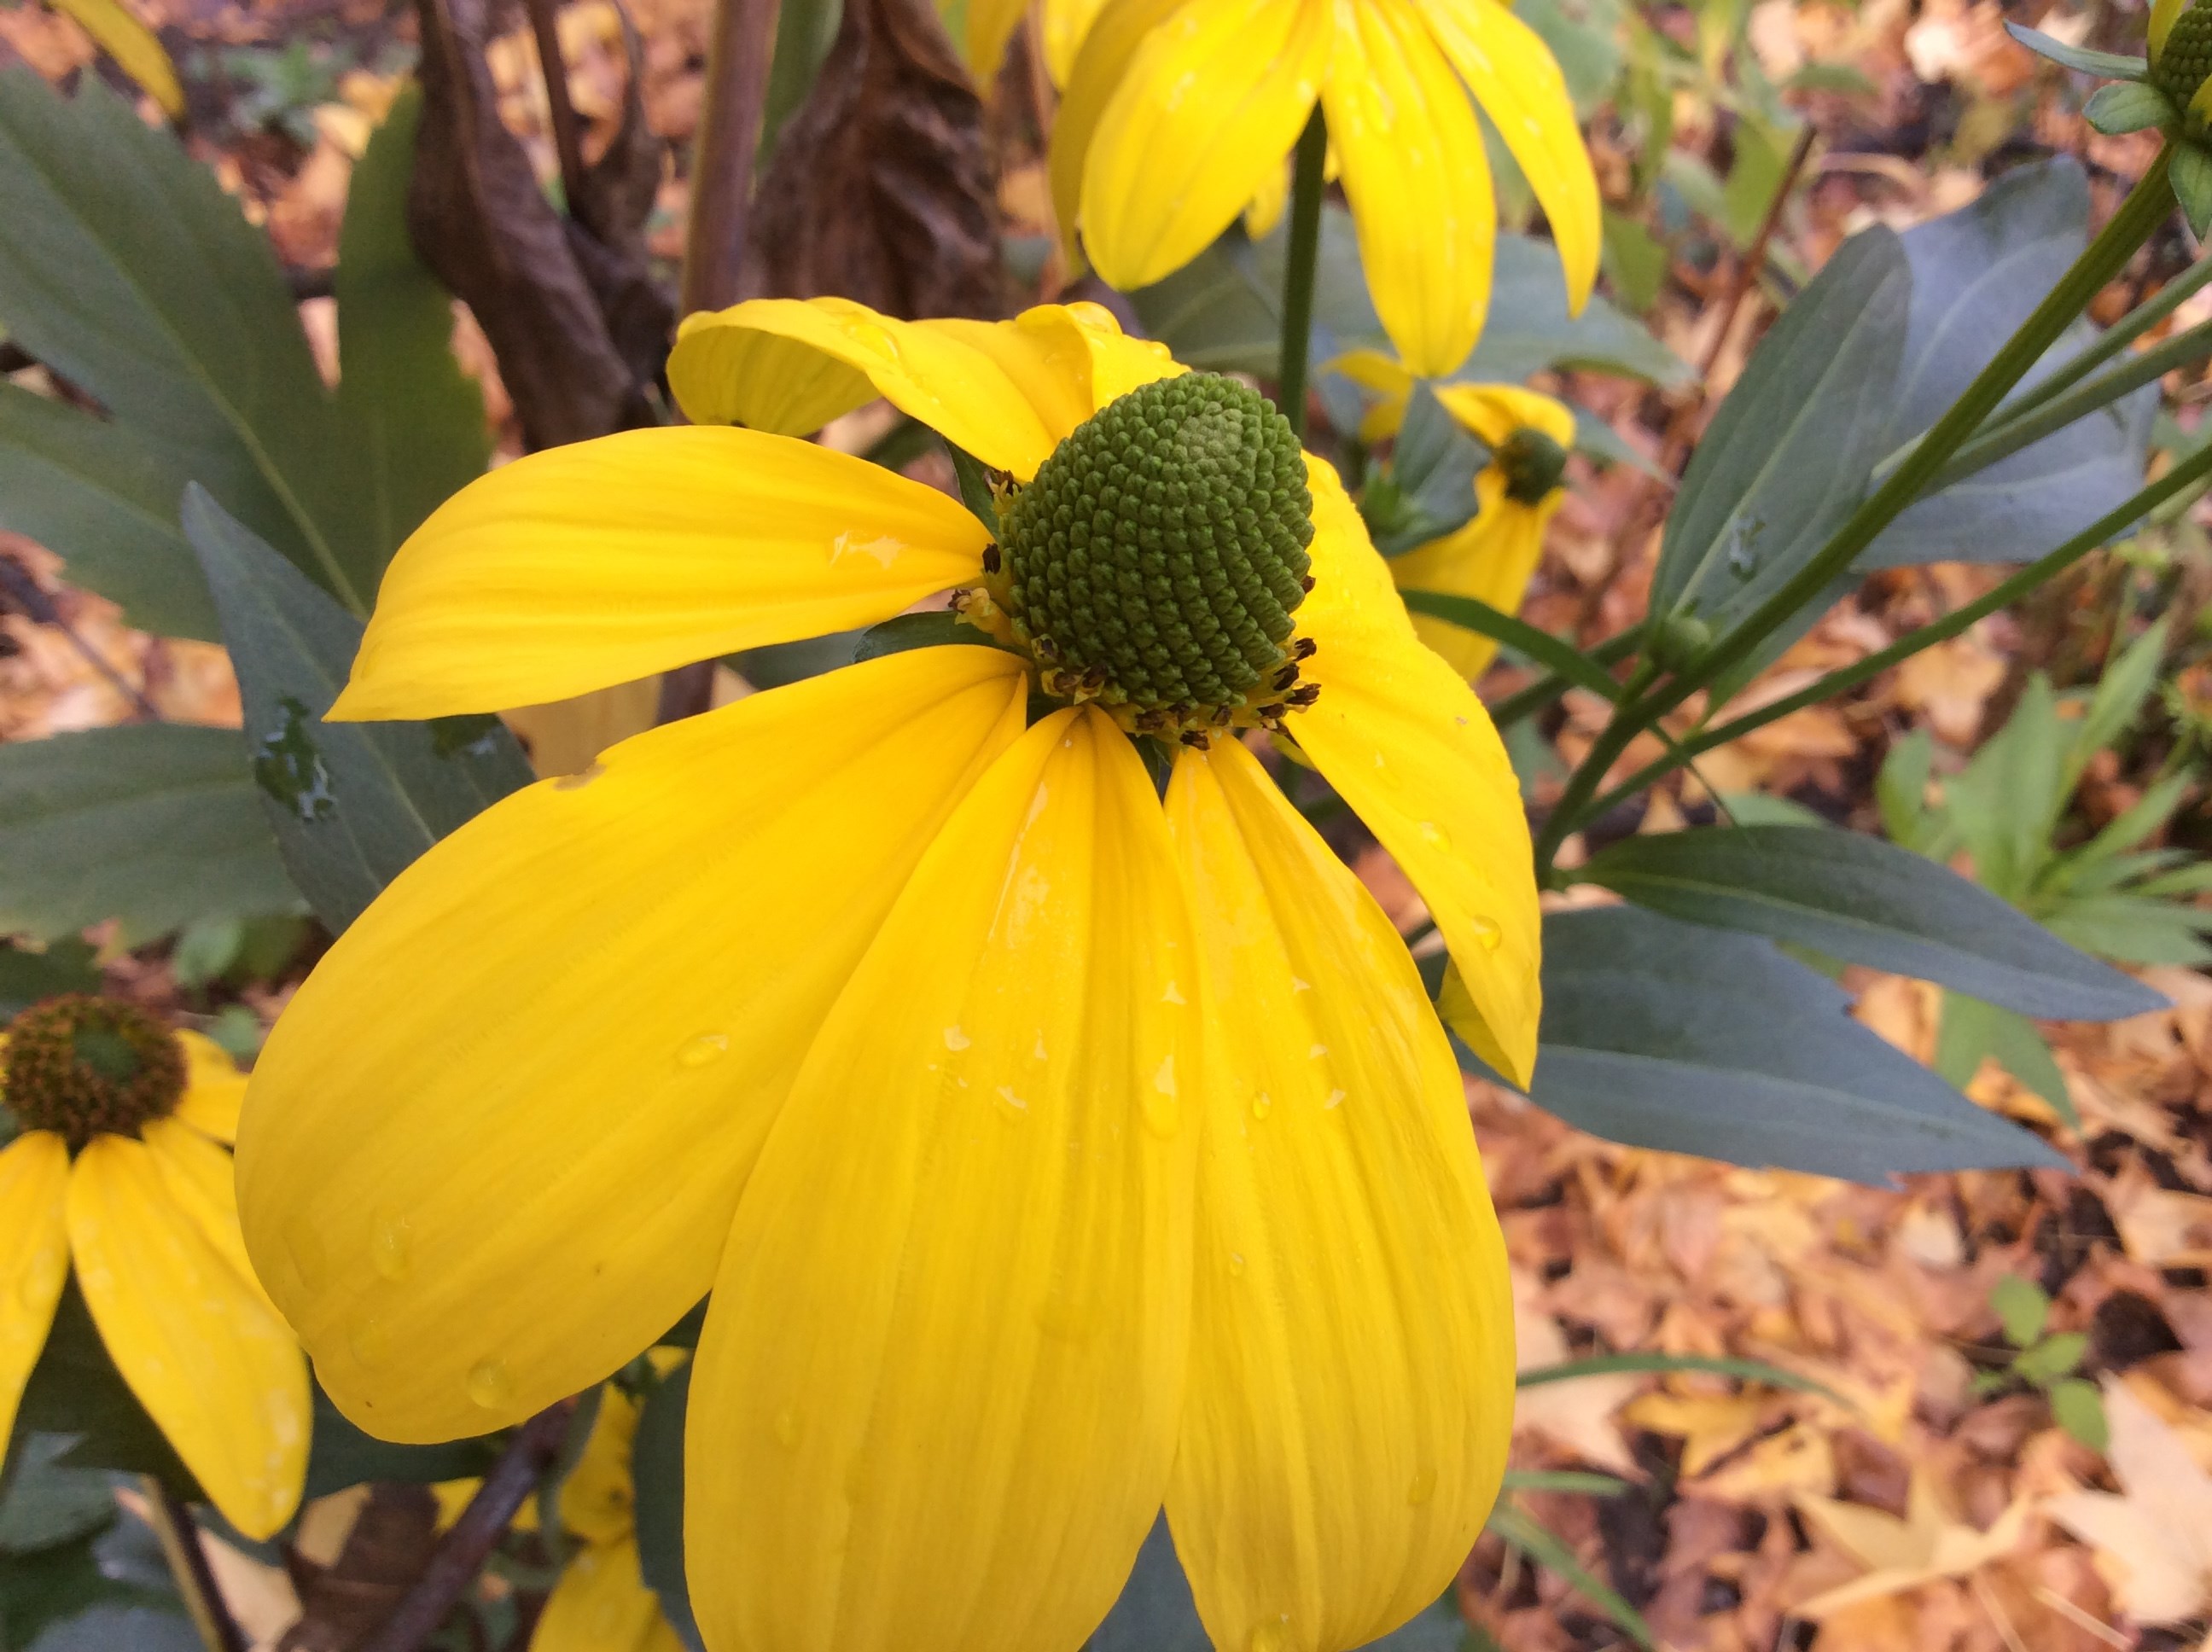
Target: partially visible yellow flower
1493, 555
1054, 1149
1061, 25
1179, 113
121, 1168
123, 34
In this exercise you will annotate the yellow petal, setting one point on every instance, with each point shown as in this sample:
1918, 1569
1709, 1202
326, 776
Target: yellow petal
1417, 179
1265, 210
213, 1087
1351, 1395
606, 561
1206, 109
599, 1503
203, 1185
581, 1012
125, 37
1517, 81
1116, 32
1490, 413
1390, 382
937, 1394
1119, 363
1065, 24
990, 26
214, 1368
1492, 556
1405, 743
2162, 15
718, 371
600, 1604
34, 1257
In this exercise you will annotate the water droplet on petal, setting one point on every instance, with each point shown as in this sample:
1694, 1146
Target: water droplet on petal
391, 1248
1015, 1102
490, 1386
700, 1051
1423, 1488
1271, 1636
1316, 1052
1237, 1263
1433, 834
787, 1428
1487, 935
955, 1039
1262, 1105
1172, 996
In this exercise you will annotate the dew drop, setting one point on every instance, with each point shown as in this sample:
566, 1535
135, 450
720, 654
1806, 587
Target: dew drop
1335, 1099
1015, 1102
1172, 996
391, 1248
700, 1051
1487, 935
1423, 1488
1237, 1264
1262, 1105
787, 1428
955, 1039
489, 1385
1297, 986
1271, 1636
1433, 834
1316, 1052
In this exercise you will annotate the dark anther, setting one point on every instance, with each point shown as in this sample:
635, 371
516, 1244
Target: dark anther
991, 560
1286, 676
1192, 737
1306, 582
1305, 648
1304, 696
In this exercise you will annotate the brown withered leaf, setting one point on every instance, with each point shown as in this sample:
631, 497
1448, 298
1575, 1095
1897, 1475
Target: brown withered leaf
880, 189
543, 286
390, 1541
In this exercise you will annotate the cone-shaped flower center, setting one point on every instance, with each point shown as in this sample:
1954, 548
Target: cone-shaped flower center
2187, 58
87, 1066
1157, 558
1533, 463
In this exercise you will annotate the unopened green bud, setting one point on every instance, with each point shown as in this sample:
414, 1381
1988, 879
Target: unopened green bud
1679, 639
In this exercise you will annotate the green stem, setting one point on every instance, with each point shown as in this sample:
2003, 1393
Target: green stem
2116, 338
1524, 703
2023, 429
2148, 205
1301, 256
2178, 481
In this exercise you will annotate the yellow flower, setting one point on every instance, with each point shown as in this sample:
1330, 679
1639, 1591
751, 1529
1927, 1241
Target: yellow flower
1495, 552
120, 1170
1052, 1149
1179, 113
1061, 25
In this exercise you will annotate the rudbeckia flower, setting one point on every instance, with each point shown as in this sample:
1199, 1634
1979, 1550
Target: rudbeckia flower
1053, 1147
121, 1170
989, 25
1179, 112
1493, 554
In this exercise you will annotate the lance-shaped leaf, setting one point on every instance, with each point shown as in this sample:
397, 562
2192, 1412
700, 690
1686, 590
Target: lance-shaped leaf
657, 1474
2106, 65
1429, 488
352, 804
1671, 1036
1859, 899
153, 824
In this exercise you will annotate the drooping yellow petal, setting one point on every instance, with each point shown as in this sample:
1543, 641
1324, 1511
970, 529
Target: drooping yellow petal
1403, 739
213, 1087
938, 1391
1065, 24
1417, 179
214, 1366
719, 371
1351, 1395
990, 26
1207, 107
1517, 81
1387, 377
203, 1185
1119, 363
1490, 413
2162, 14
492, 1147
601, 1603
34, 1257
1490, 557
599, 1503
123, 34
606, 561
1120, 29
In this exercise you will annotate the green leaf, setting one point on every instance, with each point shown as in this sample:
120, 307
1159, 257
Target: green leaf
1786, 458
1866, 902
1539, 645
1548, 1549
105, 501
1670, 1035
352, 804
413, 423
1569, 1480
1751, 1370
2191, 178
657, 1472
47, 1503
2128, 683
1901, 792
122, 1618
1428, 491
1635, 261
128, 270
1976, 273
26, 976
938, 628
2145, 816
2021, 1308
340, 1455
154, 824
2133, 929
2052, 1357
1972, 1029
2127, 106
2104, 64
2007, 801
2077, 1407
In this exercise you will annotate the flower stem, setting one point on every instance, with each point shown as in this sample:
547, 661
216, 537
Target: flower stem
179, 1536
1301, 256
738, 53
2147, 206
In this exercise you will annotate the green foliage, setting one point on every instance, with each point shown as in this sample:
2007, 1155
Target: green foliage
2044, 1361
1426, 490
27, 976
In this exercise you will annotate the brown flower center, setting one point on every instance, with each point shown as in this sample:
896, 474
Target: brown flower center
86, 1066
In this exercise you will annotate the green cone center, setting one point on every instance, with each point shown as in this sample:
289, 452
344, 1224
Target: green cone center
1157, 558
87, 1066
1533, 463
2186, 59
